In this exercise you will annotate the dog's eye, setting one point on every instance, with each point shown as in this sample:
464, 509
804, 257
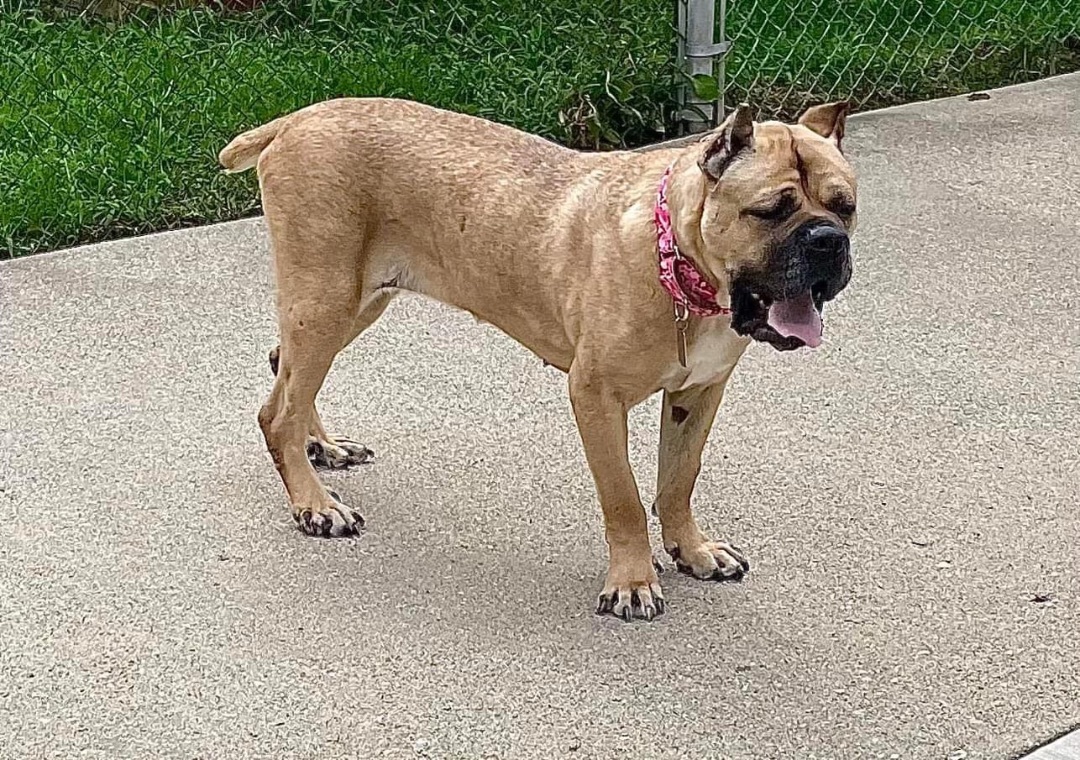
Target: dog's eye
775, 212
843, 207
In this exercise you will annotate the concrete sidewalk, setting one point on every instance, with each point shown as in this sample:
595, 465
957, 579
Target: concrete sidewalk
908, 495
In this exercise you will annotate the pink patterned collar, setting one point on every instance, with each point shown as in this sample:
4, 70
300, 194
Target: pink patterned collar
683, 281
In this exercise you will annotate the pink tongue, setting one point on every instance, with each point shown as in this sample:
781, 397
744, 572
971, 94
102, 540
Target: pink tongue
798, 317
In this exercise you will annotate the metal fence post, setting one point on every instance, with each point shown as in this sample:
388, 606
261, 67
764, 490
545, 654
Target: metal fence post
721, 67
698, 51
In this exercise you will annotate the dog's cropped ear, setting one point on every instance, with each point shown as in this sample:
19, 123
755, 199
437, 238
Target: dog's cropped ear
733, 137
827, 120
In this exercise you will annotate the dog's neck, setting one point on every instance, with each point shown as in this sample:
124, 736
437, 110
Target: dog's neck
684, 280
691, 291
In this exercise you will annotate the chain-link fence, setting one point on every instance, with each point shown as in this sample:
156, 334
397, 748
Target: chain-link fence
112, 111
780, 55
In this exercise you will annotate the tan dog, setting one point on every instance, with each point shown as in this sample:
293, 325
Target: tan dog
365, 198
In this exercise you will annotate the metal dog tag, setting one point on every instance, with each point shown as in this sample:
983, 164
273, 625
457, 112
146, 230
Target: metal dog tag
682, 316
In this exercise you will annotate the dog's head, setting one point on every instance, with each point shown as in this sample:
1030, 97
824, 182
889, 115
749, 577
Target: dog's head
777, 203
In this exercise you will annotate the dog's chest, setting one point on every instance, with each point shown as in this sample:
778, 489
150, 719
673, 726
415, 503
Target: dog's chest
710, 356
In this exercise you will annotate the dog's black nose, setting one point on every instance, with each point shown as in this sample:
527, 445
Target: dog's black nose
827, 240
827, 252
815, 257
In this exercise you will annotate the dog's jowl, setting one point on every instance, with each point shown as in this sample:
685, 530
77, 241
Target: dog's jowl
632, 272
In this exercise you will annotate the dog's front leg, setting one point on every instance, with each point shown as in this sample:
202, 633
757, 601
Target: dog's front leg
632, 588
688, 417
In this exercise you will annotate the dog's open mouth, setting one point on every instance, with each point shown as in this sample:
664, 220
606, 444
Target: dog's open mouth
787, 323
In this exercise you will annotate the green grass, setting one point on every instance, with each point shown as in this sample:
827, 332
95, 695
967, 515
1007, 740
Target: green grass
114, 130
108, 130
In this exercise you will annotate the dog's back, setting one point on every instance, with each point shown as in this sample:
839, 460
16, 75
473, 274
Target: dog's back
409, 129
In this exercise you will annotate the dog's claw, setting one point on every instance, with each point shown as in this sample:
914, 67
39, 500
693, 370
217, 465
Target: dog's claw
734, 577
337, 453
740, 555
718, 574
631, 600
711, 561
338, 521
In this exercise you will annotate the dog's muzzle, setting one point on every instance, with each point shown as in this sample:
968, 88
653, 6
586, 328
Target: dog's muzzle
782, 303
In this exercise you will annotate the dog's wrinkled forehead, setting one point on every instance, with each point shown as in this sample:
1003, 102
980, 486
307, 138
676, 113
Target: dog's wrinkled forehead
793, 154
743, 158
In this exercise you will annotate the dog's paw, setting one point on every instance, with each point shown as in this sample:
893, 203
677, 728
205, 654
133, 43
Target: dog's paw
335, 521
630, 595
337, 453
710, 560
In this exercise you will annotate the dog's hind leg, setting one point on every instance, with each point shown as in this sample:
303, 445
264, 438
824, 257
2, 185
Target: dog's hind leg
684, 428
335, 452
322, 305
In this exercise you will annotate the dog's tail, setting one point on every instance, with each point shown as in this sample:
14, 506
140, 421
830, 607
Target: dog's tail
243, 152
